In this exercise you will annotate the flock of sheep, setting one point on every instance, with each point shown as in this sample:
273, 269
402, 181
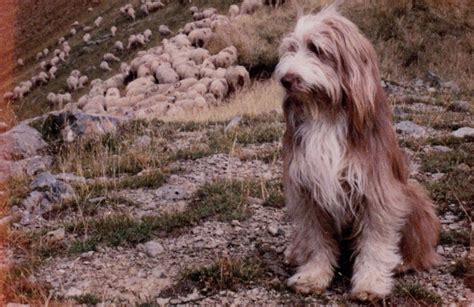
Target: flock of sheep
179, 76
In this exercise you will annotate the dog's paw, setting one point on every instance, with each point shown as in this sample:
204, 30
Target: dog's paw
367, 296
308, 282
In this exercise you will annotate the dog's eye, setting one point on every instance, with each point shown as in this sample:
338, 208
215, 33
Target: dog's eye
314, 49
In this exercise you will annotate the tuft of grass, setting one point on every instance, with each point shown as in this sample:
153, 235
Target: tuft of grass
222, 201
455, 237
417, 294
227, 274
87, 299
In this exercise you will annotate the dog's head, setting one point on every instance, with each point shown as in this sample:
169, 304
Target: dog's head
328, 65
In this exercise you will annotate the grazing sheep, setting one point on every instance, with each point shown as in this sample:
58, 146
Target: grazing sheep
118, 45
82, 81
113, 30
7, 96
20, 62
147, 34
219, 88
166, 74
250, 6
56, 52
110, 57
274, 3
86, 38
226, 57
237, 77
134, 40
181, 41
185, 84
43, 65
199, 88
187, 70
164, 30
189, 27
143, 71
124, 68
87, 29
43, 77
95, 105
67, 49
62, 56
61, 40
207, 13
73, 31
62, 99
98, 21
234, 11
51, 98
72, 83
76, 24
76, 73
193, 9
198, 16
55, 61
199, 55
52, 72
210, 99
105, 66
45, 51
200, 37
131, 13
39, 55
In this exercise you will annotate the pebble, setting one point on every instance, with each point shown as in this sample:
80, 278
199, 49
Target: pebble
153, 248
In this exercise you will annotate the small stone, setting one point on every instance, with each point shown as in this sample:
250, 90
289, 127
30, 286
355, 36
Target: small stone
153, 248
273, 230
440, 250
463, 132
437, 176
73, 292
410, 128
460, 106
56, 235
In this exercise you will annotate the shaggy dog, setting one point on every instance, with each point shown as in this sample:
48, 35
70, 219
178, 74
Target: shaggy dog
345, 177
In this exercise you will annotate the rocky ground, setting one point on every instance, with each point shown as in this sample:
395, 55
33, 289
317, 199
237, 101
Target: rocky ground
156, 213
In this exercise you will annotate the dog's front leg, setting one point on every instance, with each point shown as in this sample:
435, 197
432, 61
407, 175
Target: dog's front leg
377, 254
314, 248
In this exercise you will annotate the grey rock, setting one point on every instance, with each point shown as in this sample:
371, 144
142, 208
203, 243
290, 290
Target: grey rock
142, 142
463, 132
21, 142
460, 106
153, 248
56, 235
37, 164
73, 292
273, 230
44, 181
409, 128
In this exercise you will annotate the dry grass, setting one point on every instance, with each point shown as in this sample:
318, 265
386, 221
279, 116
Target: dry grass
261, 97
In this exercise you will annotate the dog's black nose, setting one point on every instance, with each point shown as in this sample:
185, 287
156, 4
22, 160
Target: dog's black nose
288, 80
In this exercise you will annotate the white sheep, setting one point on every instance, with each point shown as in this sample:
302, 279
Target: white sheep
207, 13
7, 96
143, 71
87, 29
67, 49
72, 83
164, 30
234, 11
250, 6
110, 57
199, 55
86, 38
43, 77
237, 77
105, 66
82, 81
45, 51
62, 56
43, 65
147, 35
20, 62
98, 21
95, 105
61, 40
187, 70
219, 88
113, 30
200, 37
76, 24
193, 9
131, 13
166, 74
39, 55
51, 98
76, 73
56, 52
73, 31
226, 57
55, 61
52, 72
118, 45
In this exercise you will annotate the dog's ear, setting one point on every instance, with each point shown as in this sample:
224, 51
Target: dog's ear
359, 78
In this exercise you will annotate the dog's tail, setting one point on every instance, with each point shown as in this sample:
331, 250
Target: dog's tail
420, 235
